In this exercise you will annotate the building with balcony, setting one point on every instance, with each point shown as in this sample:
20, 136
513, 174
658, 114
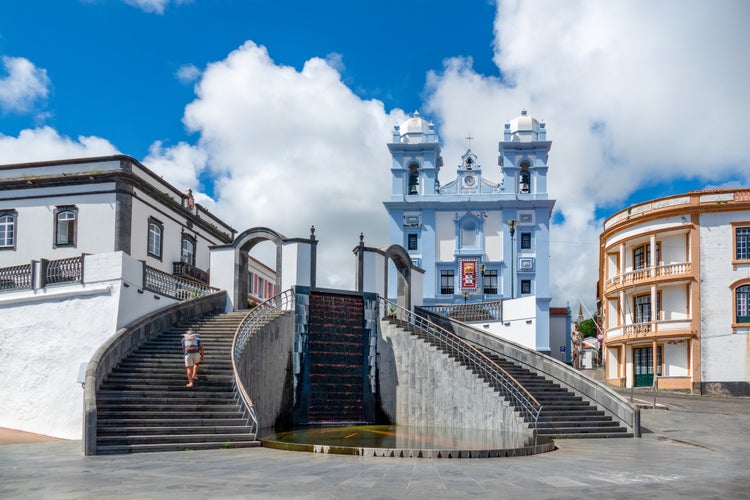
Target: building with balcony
61, 209
674, 278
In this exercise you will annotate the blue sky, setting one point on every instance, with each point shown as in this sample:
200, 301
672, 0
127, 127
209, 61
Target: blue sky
278, 113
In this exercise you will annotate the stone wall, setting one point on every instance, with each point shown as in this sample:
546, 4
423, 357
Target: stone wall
421, 386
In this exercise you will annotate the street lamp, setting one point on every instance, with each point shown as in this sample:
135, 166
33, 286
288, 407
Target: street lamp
512, 225
482, 267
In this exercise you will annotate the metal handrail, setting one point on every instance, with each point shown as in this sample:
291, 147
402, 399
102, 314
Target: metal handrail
467, 354
172, 286
482, 311
257, 318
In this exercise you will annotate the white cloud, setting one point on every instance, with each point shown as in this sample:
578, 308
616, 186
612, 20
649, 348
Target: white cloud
288, 149
188, 73
24, 85
45, 143
181, 164
154, 6
633, 93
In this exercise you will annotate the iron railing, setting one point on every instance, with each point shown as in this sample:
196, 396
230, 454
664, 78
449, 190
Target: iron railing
483, 311
189, 271
173, 286
468, 355
257, 318
16, 278
68, 270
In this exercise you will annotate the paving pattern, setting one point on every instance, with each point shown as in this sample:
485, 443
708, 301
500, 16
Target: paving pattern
696, 449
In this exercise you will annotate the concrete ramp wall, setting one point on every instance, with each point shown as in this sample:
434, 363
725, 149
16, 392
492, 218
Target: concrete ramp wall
265, 368
599, 394
423, 387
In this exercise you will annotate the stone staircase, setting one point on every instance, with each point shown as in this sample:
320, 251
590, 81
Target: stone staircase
143, 405
563, 415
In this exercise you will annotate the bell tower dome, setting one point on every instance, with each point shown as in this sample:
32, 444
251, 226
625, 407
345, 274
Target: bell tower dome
524, 152
415, 152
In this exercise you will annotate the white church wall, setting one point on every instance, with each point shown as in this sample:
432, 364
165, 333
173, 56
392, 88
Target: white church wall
493, 236
445, 236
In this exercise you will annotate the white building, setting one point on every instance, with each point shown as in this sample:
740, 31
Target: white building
59, 209
87, 246
477, 239
675, 292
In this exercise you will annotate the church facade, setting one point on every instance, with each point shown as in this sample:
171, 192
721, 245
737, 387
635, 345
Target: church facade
478, 239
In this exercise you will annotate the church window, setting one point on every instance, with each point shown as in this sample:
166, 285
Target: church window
525, 286
490, 282
525, 241
524, 179
447, 281
65, 226
188, 249
7, 230
155, 232
413, 179
412, 241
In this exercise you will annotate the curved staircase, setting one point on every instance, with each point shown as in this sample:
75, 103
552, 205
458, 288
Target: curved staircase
143, 405
563, 415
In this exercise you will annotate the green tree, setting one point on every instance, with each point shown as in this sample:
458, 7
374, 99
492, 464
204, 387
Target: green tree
587, 327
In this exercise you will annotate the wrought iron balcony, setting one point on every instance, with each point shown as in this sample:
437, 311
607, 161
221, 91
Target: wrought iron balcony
185, 270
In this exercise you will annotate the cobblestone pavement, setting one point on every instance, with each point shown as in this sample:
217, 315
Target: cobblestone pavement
697, 448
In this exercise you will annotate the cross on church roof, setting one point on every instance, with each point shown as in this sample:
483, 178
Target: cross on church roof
468, 141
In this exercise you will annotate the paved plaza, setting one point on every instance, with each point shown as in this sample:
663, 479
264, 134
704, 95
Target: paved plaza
697, 448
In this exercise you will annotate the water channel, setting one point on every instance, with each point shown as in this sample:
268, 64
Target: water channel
405, 441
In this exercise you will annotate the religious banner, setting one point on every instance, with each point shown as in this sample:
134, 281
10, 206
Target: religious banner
469, 274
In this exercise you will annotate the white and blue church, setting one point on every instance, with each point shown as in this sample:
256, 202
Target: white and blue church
478, 239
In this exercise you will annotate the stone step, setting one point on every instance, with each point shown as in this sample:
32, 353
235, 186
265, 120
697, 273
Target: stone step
565, 423
201, 437
188, 446
108, 424
163, 430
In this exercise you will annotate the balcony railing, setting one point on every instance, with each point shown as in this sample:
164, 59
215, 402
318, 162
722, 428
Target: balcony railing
484, 311
638, 276
63, 270
16, 278
185, 270
649, 329
172, 286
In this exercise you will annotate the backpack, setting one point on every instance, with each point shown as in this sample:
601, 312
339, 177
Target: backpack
190, 344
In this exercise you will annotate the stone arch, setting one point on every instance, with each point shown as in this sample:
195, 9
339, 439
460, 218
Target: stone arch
242, 244
402, 261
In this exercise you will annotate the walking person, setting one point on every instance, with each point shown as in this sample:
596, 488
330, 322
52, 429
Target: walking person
192, 348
